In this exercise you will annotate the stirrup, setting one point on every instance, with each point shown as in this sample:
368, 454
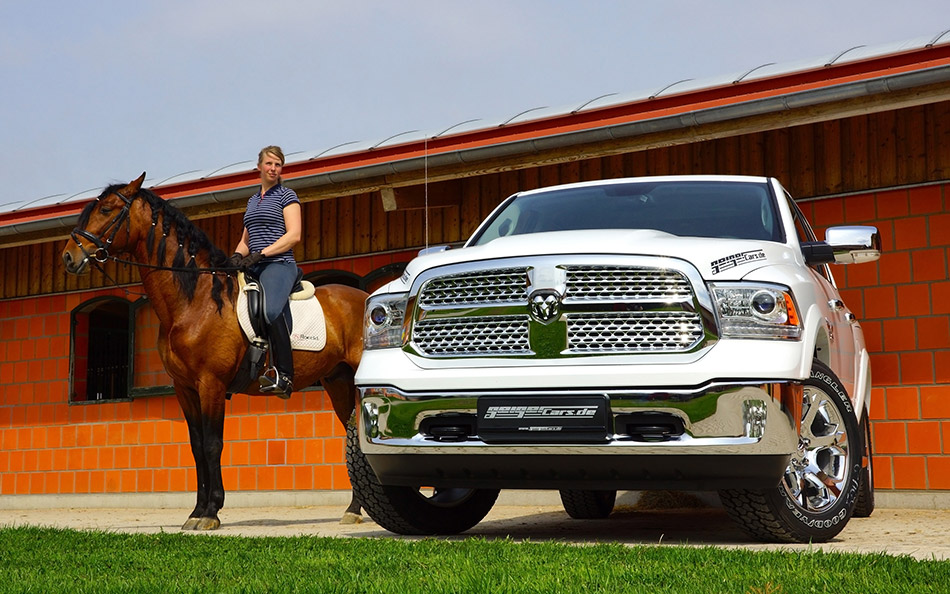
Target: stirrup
280, 385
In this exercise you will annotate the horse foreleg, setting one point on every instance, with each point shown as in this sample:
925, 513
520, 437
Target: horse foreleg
342, 390
205, 418
213, 443
191, 410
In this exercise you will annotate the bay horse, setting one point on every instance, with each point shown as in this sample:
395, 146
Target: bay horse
200, 341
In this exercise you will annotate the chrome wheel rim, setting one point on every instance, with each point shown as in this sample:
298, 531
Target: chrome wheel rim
818, 472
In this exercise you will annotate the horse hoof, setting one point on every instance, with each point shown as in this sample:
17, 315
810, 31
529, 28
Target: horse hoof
351, 518
190, 524
208, 524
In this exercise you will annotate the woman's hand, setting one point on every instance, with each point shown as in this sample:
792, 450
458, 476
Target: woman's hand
251, 259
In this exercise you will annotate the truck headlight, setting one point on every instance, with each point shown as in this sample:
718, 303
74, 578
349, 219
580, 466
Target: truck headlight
748, 310
383, 321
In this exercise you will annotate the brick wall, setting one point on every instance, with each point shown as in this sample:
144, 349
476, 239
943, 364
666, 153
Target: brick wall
48, 446
903, 302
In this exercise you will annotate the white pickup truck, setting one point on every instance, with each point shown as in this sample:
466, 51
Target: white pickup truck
645, 333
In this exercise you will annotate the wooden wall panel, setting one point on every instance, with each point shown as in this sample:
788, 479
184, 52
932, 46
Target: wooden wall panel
704, 158
938, 145
470, 214
35, 268
379, 231
59, 269
591, 169
548, 175
681, 158
312, 230
612, 167
911, 145
344, 227
328, 228
802, 158
529, 179
855, 153
396, 229
362, 224
510, 183
727, 156
23, 270
883, 149
828, 157
415, 228
6, 284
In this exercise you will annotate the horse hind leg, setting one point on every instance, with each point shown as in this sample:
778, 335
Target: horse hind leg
342, 390
353, 514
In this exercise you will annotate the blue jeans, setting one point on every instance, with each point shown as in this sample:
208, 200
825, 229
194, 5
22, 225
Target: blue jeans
278, 280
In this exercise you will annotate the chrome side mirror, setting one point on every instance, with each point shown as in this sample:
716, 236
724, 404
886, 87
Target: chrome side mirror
844, 245
854, 245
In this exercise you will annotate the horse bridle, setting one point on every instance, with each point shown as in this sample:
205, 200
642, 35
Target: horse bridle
102, 247
101, 255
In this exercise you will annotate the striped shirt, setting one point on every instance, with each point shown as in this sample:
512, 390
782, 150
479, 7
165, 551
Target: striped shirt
264, 220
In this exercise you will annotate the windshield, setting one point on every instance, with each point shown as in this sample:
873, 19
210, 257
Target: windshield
738, 210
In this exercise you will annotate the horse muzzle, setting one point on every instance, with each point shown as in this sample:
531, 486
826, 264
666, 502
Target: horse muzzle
78, 263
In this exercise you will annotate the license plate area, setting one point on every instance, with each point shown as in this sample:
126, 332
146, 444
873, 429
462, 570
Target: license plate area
548, 419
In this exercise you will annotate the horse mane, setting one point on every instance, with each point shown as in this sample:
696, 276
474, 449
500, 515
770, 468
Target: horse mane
191, 239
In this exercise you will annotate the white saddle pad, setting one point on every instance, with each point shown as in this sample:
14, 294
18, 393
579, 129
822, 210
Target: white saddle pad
310, 327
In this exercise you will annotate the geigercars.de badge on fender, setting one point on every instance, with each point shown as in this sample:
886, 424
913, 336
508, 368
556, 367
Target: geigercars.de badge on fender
734, 260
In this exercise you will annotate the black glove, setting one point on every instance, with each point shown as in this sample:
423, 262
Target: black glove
234, 261
251, 259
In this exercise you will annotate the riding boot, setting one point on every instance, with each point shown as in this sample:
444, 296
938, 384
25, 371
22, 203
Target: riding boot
279, 378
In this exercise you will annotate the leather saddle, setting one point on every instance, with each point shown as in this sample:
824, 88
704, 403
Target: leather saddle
255, 299
254, 358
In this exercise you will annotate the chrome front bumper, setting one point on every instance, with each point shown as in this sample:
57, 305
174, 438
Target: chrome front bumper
726, 435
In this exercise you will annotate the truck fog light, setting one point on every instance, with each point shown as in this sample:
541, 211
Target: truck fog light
371, 419
754, 413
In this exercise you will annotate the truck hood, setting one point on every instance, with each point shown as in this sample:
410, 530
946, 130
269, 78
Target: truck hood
714, 258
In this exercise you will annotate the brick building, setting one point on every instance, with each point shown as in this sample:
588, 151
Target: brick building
861, 137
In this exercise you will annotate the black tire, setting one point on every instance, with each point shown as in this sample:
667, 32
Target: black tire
407, 510
864, 506
588, 505
817, 494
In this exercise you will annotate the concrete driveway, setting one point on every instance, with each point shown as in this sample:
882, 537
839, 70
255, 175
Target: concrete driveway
919, 533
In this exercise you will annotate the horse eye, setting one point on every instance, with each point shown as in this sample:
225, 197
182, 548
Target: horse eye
105, 209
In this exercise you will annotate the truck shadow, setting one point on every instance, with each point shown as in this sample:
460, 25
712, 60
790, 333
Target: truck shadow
707, 526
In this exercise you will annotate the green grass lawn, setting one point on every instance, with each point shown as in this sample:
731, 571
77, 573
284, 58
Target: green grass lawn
47, 560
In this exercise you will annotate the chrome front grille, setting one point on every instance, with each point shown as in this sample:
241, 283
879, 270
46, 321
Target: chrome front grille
484, 286
633, 332
640, 305
491, 335
624, 283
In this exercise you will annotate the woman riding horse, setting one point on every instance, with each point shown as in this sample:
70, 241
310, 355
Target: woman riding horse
200, 342
272, 227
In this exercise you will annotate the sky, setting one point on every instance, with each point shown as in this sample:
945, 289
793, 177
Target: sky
93, 93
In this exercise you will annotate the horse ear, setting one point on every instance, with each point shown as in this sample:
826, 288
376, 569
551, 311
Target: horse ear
135, 185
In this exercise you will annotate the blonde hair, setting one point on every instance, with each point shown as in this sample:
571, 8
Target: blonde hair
270, 150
